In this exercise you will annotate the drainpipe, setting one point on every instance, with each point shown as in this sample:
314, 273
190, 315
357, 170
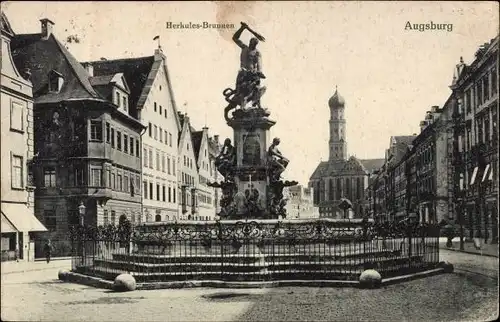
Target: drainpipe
141, 157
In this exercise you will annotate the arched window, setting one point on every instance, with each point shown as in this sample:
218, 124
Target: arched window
331, 192
190, 217
167, 217
158, 218
339, 189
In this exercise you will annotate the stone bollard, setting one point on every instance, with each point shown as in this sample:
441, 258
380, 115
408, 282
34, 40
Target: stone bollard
63, 274
446, 266
370, 278
124, 283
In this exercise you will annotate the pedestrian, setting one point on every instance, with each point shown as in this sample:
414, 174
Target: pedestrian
48, 250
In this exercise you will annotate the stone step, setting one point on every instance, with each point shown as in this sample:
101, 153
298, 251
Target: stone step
249, 257
239, 267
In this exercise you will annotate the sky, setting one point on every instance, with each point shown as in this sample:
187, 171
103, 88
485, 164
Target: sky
388, 76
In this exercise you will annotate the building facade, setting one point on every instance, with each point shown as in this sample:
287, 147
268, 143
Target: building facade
475, 118
87, 146
18, 221
339, 177
153, 104
300, 203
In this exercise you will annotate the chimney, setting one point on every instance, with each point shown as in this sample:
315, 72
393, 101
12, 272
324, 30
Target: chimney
159, 54
423, 125
89, 68
47, 28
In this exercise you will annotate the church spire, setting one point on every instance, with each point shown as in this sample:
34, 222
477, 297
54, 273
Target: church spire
337, 142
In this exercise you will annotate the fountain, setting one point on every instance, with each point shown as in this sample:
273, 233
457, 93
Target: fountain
252, 187
253, 240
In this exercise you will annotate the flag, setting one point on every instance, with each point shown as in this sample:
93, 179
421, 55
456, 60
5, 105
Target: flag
156, 38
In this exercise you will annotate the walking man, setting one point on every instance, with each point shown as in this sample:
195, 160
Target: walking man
48, 250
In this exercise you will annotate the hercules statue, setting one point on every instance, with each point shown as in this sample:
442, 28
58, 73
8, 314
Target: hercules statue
248, 88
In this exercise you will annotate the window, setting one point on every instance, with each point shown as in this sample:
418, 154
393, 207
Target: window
151, 158
168, 165
166, 137
126, 183
108, 132
55, 81
494, 83
112, 138
125, 143
79, 176
161, 109
117, 99
486, 87
137, 184
165, 112
169, 194
155, 107
161, 134
162, 162
145, 189
113, 217
158, 192
105, 217
49, 177
170, 139
137, 150
173, 195
108, 184
113, 181
119, 140
145, 154
120, 183
125, 106
156, 133
173, 166
17, 172
131, 146
96, 130
151, 190
157, 218
150, 129
163, 192
50, 220
158, 161
16, 116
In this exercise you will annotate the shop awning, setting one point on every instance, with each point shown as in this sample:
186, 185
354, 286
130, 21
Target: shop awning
7, 226
21, 217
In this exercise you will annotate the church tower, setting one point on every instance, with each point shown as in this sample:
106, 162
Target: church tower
337, 142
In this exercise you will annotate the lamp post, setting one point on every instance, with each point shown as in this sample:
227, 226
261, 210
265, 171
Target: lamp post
81, 212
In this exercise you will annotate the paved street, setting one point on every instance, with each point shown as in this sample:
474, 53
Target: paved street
468, 294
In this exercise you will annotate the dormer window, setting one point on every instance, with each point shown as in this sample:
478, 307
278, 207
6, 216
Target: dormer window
117, 103
56, 81
125, 103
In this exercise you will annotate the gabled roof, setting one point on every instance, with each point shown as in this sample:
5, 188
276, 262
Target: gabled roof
101, 80
371, 165
135, 70
6, 25
197, 137
401, 145
42, 56
139, 74
334, 168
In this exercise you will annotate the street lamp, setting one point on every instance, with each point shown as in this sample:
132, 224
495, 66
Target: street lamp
81, 211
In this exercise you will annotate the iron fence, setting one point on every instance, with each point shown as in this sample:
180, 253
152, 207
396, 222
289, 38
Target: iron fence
257, 250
